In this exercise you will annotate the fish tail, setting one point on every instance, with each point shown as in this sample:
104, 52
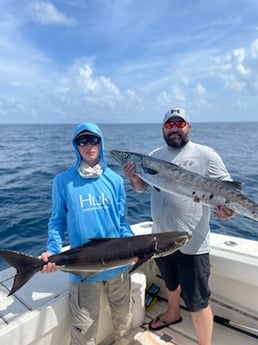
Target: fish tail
26, 266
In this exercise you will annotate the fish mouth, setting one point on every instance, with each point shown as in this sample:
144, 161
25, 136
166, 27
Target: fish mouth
119, 156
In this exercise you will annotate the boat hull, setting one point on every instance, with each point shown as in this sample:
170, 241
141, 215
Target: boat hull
43, 306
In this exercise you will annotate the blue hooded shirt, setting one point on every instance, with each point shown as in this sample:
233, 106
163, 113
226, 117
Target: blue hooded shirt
87, 207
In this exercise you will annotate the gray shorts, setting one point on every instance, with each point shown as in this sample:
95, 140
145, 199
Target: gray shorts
192, 273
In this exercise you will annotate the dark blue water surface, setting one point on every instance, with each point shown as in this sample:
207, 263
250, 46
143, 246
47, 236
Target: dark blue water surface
31, 155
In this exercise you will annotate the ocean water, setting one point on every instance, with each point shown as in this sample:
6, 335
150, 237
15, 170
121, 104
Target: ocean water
31, 155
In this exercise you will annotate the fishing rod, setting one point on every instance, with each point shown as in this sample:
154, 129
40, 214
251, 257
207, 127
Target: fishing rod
237, 326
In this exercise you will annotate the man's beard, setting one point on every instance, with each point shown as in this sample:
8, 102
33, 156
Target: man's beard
176, 143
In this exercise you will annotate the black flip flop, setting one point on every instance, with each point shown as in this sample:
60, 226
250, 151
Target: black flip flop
165, 323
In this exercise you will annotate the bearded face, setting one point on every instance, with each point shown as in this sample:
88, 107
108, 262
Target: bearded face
175, 134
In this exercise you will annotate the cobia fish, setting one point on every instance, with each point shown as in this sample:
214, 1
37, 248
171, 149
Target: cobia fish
171, 178
98, 255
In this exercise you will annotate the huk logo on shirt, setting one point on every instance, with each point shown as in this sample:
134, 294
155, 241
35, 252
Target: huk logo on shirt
93, 202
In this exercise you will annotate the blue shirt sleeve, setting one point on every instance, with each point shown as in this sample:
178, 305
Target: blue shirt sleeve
125, 229
57, 221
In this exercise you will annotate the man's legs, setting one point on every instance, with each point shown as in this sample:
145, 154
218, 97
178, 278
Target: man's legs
202, 319
119, 292
194, 277
194, 271
84, 305
173, 312
168, 270
203, 324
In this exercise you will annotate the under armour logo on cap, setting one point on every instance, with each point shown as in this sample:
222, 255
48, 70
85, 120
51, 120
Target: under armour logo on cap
177, 112
172, 111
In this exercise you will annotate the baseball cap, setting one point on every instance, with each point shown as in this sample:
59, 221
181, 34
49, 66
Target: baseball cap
176, 112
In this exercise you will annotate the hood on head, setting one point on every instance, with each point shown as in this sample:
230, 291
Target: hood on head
93, 128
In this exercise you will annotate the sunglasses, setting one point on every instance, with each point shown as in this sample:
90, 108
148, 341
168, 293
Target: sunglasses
178, 124
83, 141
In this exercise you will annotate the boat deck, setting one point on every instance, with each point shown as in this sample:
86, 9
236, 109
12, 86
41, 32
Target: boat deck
29, 310
183, 332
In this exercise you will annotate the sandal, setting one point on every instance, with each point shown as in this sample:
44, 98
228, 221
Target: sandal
164, 323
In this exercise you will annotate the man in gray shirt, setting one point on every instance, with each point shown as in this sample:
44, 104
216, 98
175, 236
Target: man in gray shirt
186, 272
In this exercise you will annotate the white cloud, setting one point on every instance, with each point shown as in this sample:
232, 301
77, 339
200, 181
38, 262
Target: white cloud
242, 67
105, 65
48, 14
97, 89
238, 61
10, 105
202, 95
254, 50
200, 90
172, 98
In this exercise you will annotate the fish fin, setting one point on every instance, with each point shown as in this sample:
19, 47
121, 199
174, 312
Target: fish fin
155, 188
25, 265
234, 184
151, 186
150, 171
140, 262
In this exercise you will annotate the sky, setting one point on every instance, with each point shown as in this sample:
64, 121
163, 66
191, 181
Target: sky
128, 61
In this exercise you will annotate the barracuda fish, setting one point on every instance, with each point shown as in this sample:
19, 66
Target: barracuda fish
173, 179
98, 255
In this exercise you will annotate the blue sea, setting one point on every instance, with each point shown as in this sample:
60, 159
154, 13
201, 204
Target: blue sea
31, 155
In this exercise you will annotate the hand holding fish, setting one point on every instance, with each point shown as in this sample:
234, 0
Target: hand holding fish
49, 266
223, 212
129, 169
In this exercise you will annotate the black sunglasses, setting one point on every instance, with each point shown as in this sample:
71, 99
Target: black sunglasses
84, 140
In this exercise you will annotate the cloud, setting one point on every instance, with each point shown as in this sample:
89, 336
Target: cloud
47, 14
97, 89
240, 72
108, 66
254, 50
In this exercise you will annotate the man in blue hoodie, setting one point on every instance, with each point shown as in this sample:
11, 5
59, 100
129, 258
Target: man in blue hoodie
88, 200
